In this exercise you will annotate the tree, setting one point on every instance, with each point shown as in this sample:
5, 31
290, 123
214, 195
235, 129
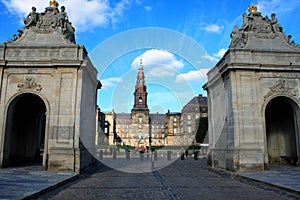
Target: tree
202, 129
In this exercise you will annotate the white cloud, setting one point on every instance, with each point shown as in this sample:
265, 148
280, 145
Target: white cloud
213, 28
220, 53
195, 76
84, 14
160, 63
110, 82
208, 57
267, 7
148, 8
22, 8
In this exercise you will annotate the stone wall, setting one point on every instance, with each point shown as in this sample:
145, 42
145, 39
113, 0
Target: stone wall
68, 87
260, 65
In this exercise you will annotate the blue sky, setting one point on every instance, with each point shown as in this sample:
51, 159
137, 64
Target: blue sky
178, 40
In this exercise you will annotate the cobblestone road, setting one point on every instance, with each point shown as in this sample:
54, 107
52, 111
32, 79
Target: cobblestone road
188, 179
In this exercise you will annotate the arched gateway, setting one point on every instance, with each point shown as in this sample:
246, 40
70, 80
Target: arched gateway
281, 131
48, 95
25, 131
257, 84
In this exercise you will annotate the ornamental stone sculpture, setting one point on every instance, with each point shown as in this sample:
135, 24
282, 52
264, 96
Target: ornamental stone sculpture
31, 18
259, 29
50, 21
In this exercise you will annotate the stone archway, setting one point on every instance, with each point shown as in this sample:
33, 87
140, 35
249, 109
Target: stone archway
281, 130
25, 131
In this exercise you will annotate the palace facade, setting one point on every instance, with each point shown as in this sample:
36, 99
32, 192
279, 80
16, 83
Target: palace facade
142, 128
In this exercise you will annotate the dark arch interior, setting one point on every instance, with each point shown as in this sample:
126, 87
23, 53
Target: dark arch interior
281, 132
25, 131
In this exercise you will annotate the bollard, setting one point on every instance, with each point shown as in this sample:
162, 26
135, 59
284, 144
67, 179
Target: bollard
155, 155
114, 155
141, 156
169, 155
101, 155
152, 160
127, 155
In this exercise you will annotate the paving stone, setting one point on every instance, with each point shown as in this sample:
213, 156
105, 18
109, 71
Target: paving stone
26, 182
188, 179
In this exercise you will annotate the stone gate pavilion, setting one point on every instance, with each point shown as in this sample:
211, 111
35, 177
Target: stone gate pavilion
253, 92
48, 95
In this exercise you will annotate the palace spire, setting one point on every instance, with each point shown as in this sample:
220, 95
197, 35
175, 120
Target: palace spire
140, 94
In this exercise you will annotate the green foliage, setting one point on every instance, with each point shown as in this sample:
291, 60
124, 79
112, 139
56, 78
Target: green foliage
202, 129
157, 147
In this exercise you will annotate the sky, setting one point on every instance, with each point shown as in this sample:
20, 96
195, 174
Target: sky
178, 42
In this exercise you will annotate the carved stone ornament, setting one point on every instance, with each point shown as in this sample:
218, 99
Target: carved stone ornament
47, 22
260, 27
30, 84
281, 87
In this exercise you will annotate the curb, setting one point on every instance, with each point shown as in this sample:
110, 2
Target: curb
51, 187
269, 184
239, 177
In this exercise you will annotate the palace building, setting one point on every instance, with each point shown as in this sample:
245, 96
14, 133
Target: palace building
140, 127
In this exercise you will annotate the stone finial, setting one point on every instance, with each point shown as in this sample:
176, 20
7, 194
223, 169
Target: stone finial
141, 63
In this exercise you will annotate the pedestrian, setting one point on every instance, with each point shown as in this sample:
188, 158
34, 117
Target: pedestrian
182, 154
127, 152
186, 152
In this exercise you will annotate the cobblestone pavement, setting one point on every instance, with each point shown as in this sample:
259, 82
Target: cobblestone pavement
188, 179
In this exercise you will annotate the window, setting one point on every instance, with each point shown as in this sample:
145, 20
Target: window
189, 117
140, 126
175, 119
140, 119
189, 129
175, 130
140, 100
